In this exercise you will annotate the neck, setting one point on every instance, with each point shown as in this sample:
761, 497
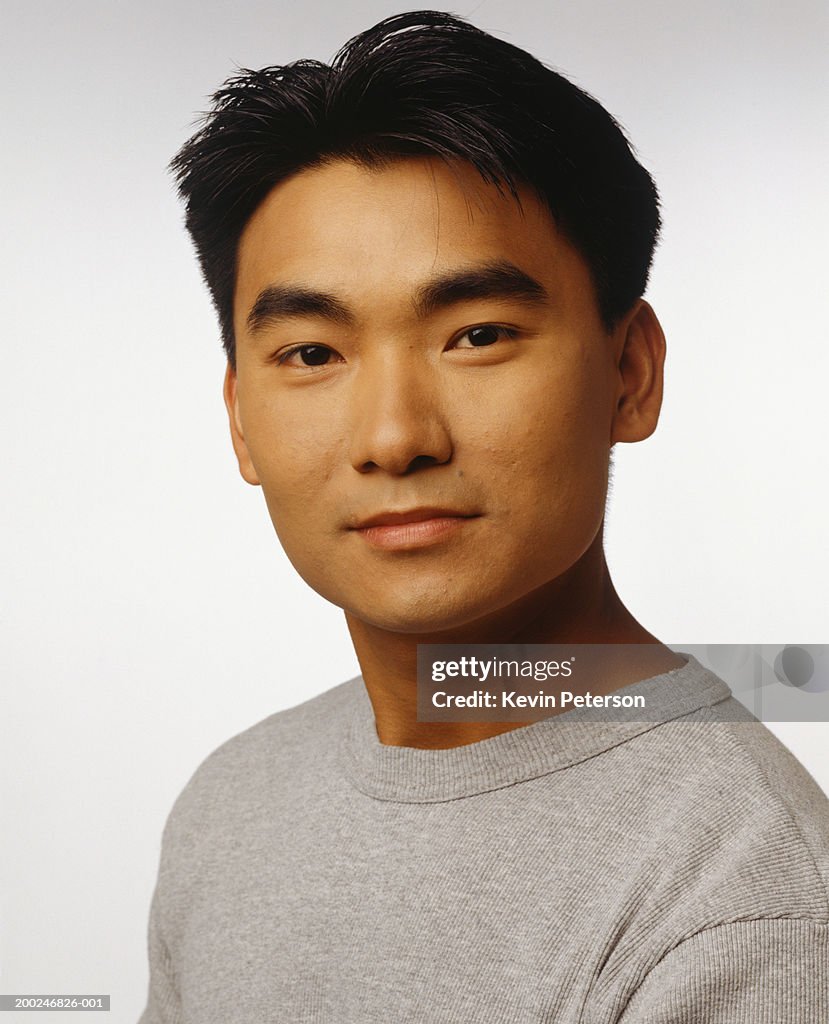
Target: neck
579, 607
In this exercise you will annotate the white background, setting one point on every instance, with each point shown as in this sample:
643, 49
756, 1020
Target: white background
148, 613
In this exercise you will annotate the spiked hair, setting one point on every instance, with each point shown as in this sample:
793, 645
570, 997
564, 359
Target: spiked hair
422, 83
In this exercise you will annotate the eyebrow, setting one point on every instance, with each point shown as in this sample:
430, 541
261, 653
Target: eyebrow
280, 302
497, 280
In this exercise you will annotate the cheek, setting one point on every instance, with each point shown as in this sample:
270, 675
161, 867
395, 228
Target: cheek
293, 476
548, 442
289, 440
295, 454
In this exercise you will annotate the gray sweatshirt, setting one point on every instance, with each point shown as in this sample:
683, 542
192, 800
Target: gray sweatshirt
671, 872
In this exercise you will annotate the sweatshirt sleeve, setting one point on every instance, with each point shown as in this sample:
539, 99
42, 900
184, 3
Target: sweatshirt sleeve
162, 999
763, 971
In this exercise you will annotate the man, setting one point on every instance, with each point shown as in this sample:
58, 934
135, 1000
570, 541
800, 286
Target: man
428, 262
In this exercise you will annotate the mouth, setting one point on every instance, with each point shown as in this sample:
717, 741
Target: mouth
412, 528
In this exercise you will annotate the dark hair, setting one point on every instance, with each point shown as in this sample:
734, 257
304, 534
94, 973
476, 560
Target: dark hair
422, 83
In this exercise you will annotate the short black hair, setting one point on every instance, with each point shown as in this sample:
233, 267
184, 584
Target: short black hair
422, 83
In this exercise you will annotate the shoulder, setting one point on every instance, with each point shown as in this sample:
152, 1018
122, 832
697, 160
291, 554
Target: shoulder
286, 731
783, 789
741, 800
763, 969
733, 877
736, 826
265, 758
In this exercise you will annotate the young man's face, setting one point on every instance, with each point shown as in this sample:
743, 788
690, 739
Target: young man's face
451, 358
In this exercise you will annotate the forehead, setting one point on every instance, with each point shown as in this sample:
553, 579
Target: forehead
365, 232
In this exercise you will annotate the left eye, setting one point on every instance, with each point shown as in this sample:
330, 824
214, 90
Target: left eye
486, 334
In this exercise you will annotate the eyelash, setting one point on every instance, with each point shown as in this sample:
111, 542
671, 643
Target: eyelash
280, 359
505, 332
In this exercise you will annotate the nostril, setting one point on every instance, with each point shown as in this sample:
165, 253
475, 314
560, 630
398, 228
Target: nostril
419, 462
422, 461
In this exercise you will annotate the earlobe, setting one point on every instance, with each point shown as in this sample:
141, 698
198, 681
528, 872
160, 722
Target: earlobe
641, 361
237, 436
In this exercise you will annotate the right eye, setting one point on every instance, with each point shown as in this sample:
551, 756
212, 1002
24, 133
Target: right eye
308, 355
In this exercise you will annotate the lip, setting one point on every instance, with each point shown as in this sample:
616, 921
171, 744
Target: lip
411, 528
412, 515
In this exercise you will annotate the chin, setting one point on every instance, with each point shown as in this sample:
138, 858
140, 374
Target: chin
431, 611
417, 613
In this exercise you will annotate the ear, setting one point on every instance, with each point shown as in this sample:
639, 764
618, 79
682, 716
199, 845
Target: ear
231, 398
640, 347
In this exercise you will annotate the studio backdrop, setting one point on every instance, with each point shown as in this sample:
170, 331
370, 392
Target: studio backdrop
148, 612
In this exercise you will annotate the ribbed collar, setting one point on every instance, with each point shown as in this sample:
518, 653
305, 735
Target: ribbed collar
413, 775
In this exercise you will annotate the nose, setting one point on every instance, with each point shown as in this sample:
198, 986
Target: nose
399, 423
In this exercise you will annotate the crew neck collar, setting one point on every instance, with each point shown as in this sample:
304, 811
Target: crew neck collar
415, 775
